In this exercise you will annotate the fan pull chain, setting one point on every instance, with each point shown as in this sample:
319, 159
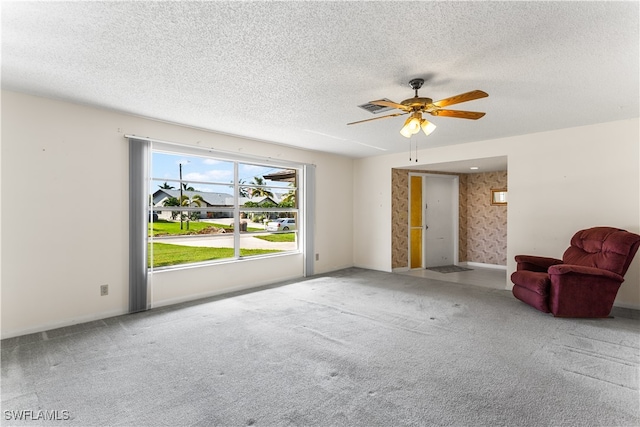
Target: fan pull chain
416, 149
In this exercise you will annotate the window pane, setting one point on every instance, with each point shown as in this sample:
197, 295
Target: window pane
168, 166
279, 234
266, 185
200, 236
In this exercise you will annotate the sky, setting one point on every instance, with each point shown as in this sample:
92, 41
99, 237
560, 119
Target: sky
167, 166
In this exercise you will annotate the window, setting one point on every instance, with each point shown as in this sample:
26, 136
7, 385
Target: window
205, 209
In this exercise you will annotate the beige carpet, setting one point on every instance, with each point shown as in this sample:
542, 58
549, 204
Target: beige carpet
351, 348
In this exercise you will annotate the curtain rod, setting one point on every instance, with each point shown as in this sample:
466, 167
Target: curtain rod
231, 154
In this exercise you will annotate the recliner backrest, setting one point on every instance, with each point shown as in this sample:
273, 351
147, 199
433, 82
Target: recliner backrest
607, 248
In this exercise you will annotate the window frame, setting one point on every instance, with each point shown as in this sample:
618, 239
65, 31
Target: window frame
236, 209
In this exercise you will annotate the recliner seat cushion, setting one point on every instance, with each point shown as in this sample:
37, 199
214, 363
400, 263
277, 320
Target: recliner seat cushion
532, 287
533, 281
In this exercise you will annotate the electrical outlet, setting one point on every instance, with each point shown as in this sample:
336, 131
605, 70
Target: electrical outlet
104, 290
317, 257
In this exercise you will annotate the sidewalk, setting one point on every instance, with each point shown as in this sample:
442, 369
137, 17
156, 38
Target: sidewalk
247, 241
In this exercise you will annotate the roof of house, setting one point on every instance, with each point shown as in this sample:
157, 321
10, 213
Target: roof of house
210, 198
287, 175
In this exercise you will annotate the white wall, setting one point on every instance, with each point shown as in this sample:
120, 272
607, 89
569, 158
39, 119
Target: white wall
559, 182
59, 156
71, 162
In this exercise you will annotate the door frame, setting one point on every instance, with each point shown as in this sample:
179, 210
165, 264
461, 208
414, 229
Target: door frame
455, 212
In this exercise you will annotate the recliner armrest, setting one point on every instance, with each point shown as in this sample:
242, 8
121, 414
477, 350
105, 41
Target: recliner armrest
580, 291
560, 269
536, 263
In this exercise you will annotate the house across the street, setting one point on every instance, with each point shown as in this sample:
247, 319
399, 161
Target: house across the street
210, 200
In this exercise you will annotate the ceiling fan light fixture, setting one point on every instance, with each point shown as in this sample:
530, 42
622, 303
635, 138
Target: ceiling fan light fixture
406, 130
411, 125
427, 127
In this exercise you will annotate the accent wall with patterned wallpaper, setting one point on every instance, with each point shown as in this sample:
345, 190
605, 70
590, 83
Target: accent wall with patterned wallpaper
483, 227
486, 223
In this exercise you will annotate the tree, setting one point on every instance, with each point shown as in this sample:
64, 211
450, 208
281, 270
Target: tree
258, 216
187, 201
267, 204
288, 200
172, 201
195, 199
166, 186
187, 187
259, 191
242, 191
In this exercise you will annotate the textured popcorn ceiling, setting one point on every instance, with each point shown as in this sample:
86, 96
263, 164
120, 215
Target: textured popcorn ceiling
294, 72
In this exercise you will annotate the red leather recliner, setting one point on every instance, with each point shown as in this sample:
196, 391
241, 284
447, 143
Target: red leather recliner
584, 283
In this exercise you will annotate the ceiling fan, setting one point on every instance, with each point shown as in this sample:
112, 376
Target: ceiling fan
417, 105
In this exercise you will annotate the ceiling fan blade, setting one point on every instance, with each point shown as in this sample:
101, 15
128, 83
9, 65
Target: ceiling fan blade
463, 97
473, 115
385, 103
377, 118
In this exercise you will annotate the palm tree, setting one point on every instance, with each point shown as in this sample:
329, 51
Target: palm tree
172, 201
289, 199
166, 186
259, 191
195, 199
242, 191
187, 201
187, 187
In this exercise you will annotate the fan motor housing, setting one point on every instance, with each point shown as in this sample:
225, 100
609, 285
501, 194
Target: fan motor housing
417, 102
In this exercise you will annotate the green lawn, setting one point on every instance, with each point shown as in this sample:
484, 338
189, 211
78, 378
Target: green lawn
283, 237
165, 254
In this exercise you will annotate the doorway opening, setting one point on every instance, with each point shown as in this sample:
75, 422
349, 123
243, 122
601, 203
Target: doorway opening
482, 226
433, 220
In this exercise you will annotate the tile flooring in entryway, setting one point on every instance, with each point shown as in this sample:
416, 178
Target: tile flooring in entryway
494, 278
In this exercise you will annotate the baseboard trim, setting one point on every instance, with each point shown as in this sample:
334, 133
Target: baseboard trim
44, 327
483, 265
219, 292
627, 306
